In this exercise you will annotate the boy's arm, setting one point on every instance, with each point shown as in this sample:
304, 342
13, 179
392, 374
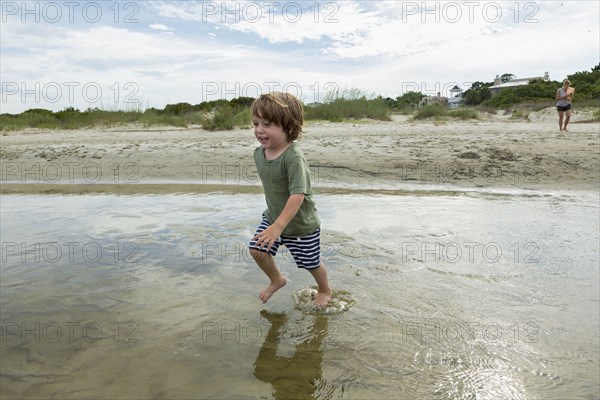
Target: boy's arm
271, 234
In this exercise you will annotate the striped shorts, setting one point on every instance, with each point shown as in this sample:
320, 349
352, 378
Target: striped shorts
306, 250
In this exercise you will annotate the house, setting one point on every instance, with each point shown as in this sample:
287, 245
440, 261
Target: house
455, 99
499, 85
427, 100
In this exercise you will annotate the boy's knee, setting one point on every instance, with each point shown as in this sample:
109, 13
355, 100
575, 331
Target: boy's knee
257, 254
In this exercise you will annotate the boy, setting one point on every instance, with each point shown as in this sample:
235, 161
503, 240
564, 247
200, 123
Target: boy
291, 217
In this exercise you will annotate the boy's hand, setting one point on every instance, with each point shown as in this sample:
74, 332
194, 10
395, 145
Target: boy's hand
267, 237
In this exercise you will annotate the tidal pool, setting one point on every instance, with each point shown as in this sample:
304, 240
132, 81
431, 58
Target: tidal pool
455, 296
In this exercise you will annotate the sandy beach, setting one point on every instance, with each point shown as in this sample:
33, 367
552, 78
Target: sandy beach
495, 151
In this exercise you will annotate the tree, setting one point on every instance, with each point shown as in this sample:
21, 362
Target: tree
477, 85
409, 98
478, 93
587, 83
506, 77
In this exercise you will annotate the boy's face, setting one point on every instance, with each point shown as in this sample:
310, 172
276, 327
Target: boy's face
270, 136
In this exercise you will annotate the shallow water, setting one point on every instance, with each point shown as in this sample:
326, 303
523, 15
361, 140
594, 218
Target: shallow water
473, 295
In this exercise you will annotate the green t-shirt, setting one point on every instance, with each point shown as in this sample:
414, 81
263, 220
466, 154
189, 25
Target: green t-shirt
286, 175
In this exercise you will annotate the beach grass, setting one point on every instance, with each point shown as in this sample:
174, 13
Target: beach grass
351, 104
441, 112
520, 114
464, 113
345, 104
227, 118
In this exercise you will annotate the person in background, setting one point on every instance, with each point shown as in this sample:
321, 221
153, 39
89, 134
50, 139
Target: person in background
564, 97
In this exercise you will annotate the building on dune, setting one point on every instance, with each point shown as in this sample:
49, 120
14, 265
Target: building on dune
513, 83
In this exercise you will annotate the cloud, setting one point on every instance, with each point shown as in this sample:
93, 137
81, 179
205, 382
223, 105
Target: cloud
160, 27
184, 51
290, 22
348, 29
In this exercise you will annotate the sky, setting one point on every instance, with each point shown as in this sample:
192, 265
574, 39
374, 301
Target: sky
132, 55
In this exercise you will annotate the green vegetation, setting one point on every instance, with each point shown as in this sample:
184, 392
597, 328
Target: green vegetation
227, 118
338, 106
212, 115
464, 114
520, 114
348, 104
440, 111
431, 111
586, 83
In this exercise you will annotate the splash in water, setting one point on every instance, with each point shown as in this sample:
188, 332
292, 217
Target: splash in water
304, 301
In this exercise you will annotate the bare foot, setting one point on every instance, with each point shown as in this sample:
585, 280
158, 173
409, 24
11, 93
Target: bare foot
322, 298
268, 291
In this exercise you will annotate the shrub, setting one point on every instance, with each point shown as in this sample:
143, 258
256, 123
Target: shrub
464, 113
432, 110
226, 118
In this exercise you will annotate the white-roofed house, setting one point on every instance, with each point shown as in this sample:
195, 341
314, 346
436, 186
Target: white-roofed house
455, 99
499, 85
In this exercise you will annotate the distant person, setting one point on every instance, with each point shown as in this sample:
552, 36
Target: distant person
564, 95
291, 216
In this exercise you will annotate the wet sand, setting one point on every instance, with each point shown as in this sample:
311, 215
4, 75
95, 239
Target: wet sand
495, 151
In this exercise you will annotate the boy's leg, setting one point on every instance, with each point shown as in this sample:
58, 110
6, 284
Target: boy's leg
266, 262
324, 292
306, 252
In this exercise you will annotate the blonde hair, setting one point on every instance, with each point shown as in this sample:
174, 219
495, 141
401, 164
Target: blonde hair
281, 109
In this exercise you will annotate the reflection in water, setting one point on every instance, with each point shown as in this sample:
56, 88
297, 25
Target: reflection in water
296, 377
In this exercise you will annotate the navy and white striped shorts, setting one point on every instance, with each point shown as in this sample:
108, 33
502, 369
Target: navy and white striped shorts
306, 250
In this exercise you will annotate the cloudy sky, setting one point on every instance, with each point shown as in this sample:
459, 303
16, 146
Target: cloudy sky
140, 54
